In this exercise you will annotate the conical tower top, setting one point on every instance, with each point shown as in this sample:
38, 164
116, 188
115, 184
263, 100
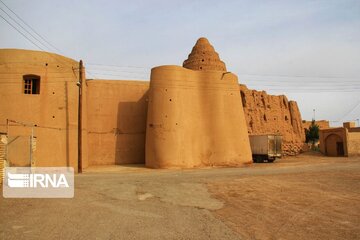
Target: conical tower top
203, 57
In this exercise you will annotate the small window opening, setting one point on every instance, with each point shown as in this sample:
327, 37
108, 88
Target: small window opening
31, 84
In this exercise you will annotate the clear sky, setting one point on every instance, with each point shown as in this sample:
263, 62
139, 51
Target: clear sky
307, 50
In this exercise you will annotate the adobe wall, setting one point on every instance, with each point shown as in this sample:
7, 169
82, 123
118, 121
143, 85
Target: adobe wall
116, 121
349, 125
269, 114
195, 119
354, 144
354, 141
54, 110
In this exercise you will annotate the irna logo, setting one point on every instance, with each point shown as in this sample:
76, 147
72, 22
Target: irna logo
38, 182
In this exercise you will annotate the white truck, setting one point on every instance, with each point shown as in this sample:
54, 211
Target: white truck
265, 147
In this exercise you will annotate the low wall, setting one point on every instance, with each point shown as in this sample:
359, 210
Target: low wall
354, 142
116, 121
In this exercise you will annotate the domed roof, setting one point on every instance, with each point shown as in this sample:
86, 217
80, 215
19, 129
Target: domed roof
203, 57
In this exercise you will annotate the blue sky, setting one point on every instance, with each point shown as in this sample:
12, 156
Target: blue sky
307, 50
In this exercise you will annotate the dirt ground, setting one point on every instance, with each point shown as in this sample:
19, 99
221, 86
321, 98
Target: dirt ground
320, 202
303, 197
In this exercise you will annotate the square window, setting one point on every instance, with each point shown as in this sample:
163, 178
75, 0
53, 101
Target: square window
31, 84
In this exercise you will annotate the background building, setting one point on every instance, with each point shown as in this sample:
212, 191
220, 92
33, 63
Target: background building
342, 141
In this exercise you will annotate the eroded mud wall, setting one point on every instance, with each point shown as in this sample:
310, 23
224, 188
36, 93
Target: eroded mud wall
269, 114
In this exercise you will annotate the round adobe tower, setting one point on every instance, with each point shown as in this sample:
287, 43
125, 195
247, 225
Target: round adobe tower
195, 114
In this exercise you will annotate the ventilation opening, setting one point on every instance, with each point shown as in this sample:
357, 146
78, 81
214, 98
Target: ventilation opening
31, 84
200, 68
202, 60
265, 119
286, 118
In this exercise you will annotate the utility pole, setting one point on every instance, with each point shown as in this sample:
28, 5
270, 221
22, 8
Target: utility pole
79, 84
314, 114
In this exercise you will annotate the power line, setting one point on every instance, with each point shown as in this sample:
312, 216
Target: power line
21, 33
352, 109
118, 70
303, 81
299, 76
51, 55
110, 74
49, 44
54, 57
23, 27
30, 27
242, 74
329, 88
117, 66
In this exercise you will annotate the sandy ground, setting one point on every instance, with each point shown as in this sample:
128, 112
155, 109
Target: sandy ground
304, 197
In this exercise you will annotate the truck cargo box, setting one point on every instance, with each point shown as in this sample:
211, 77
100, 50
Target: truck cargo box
265, 147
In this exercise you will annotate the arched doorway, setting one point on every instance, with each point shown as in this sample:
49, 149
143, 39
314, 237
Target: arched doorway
334, 145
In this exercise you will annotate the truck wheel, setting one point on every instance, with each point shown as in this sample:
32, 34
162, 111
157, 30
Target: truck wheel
259, 159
